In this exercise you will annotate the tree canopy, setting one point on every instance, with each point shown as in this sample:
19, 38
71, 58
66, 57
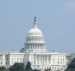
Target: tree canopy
71, 66
36, 70
28, 67
17, 67
3, 69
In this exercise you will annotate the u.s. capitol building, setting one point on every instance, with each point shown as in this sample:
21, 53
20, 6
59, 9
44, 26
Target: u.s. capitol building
36, 52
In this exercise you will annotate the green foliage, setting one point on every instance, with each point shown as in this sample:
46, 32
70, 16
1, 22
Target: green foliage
36, 70
21, 67
17, 67
48, 69
71, 66
3, 69
70, 70
28, 67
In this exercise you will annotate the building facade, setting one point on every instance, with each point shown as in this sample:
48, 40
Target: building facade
36, 52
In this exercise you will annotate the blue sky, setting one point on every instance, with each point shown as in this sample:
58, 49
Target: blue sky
56, 18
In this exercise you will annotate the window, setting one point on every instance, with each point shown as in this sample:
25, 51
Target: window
53, 59
58, 58
1, 63
58, 62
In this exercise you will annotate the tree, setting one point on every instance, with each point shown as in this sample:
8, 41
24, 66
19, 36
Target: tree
48, 69
71, 66
28, 67
3, 69
36, 70
17, 67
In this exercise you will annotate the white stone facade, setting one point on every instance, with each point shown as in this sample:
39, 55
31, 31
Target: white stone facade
55, 61
9, 58
2, 59
36, 52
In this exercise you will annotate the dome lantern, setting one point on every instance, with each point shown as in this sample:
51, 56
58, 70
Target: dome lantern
35, 22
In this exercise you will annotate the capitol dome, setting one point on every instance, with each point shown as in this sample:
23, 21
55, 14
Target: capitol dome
34, 40
35, 31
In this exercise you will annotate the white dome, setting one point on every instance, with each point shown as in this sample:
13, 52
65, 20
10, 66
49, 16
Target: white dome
35, 40
35, 31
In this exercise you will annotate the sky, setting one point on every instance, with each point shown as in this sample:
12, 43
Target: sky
56, 18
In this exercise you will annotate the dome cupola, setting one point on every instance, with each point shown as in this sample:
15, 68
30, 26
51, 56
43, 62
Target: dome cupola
35, 31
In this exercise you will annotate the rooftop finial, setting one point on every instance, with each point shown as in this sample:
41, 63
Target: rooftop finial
35, 22
35, 19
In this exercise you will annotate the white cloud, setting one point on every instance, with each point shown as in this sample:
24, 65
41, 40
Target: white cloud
70, 5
